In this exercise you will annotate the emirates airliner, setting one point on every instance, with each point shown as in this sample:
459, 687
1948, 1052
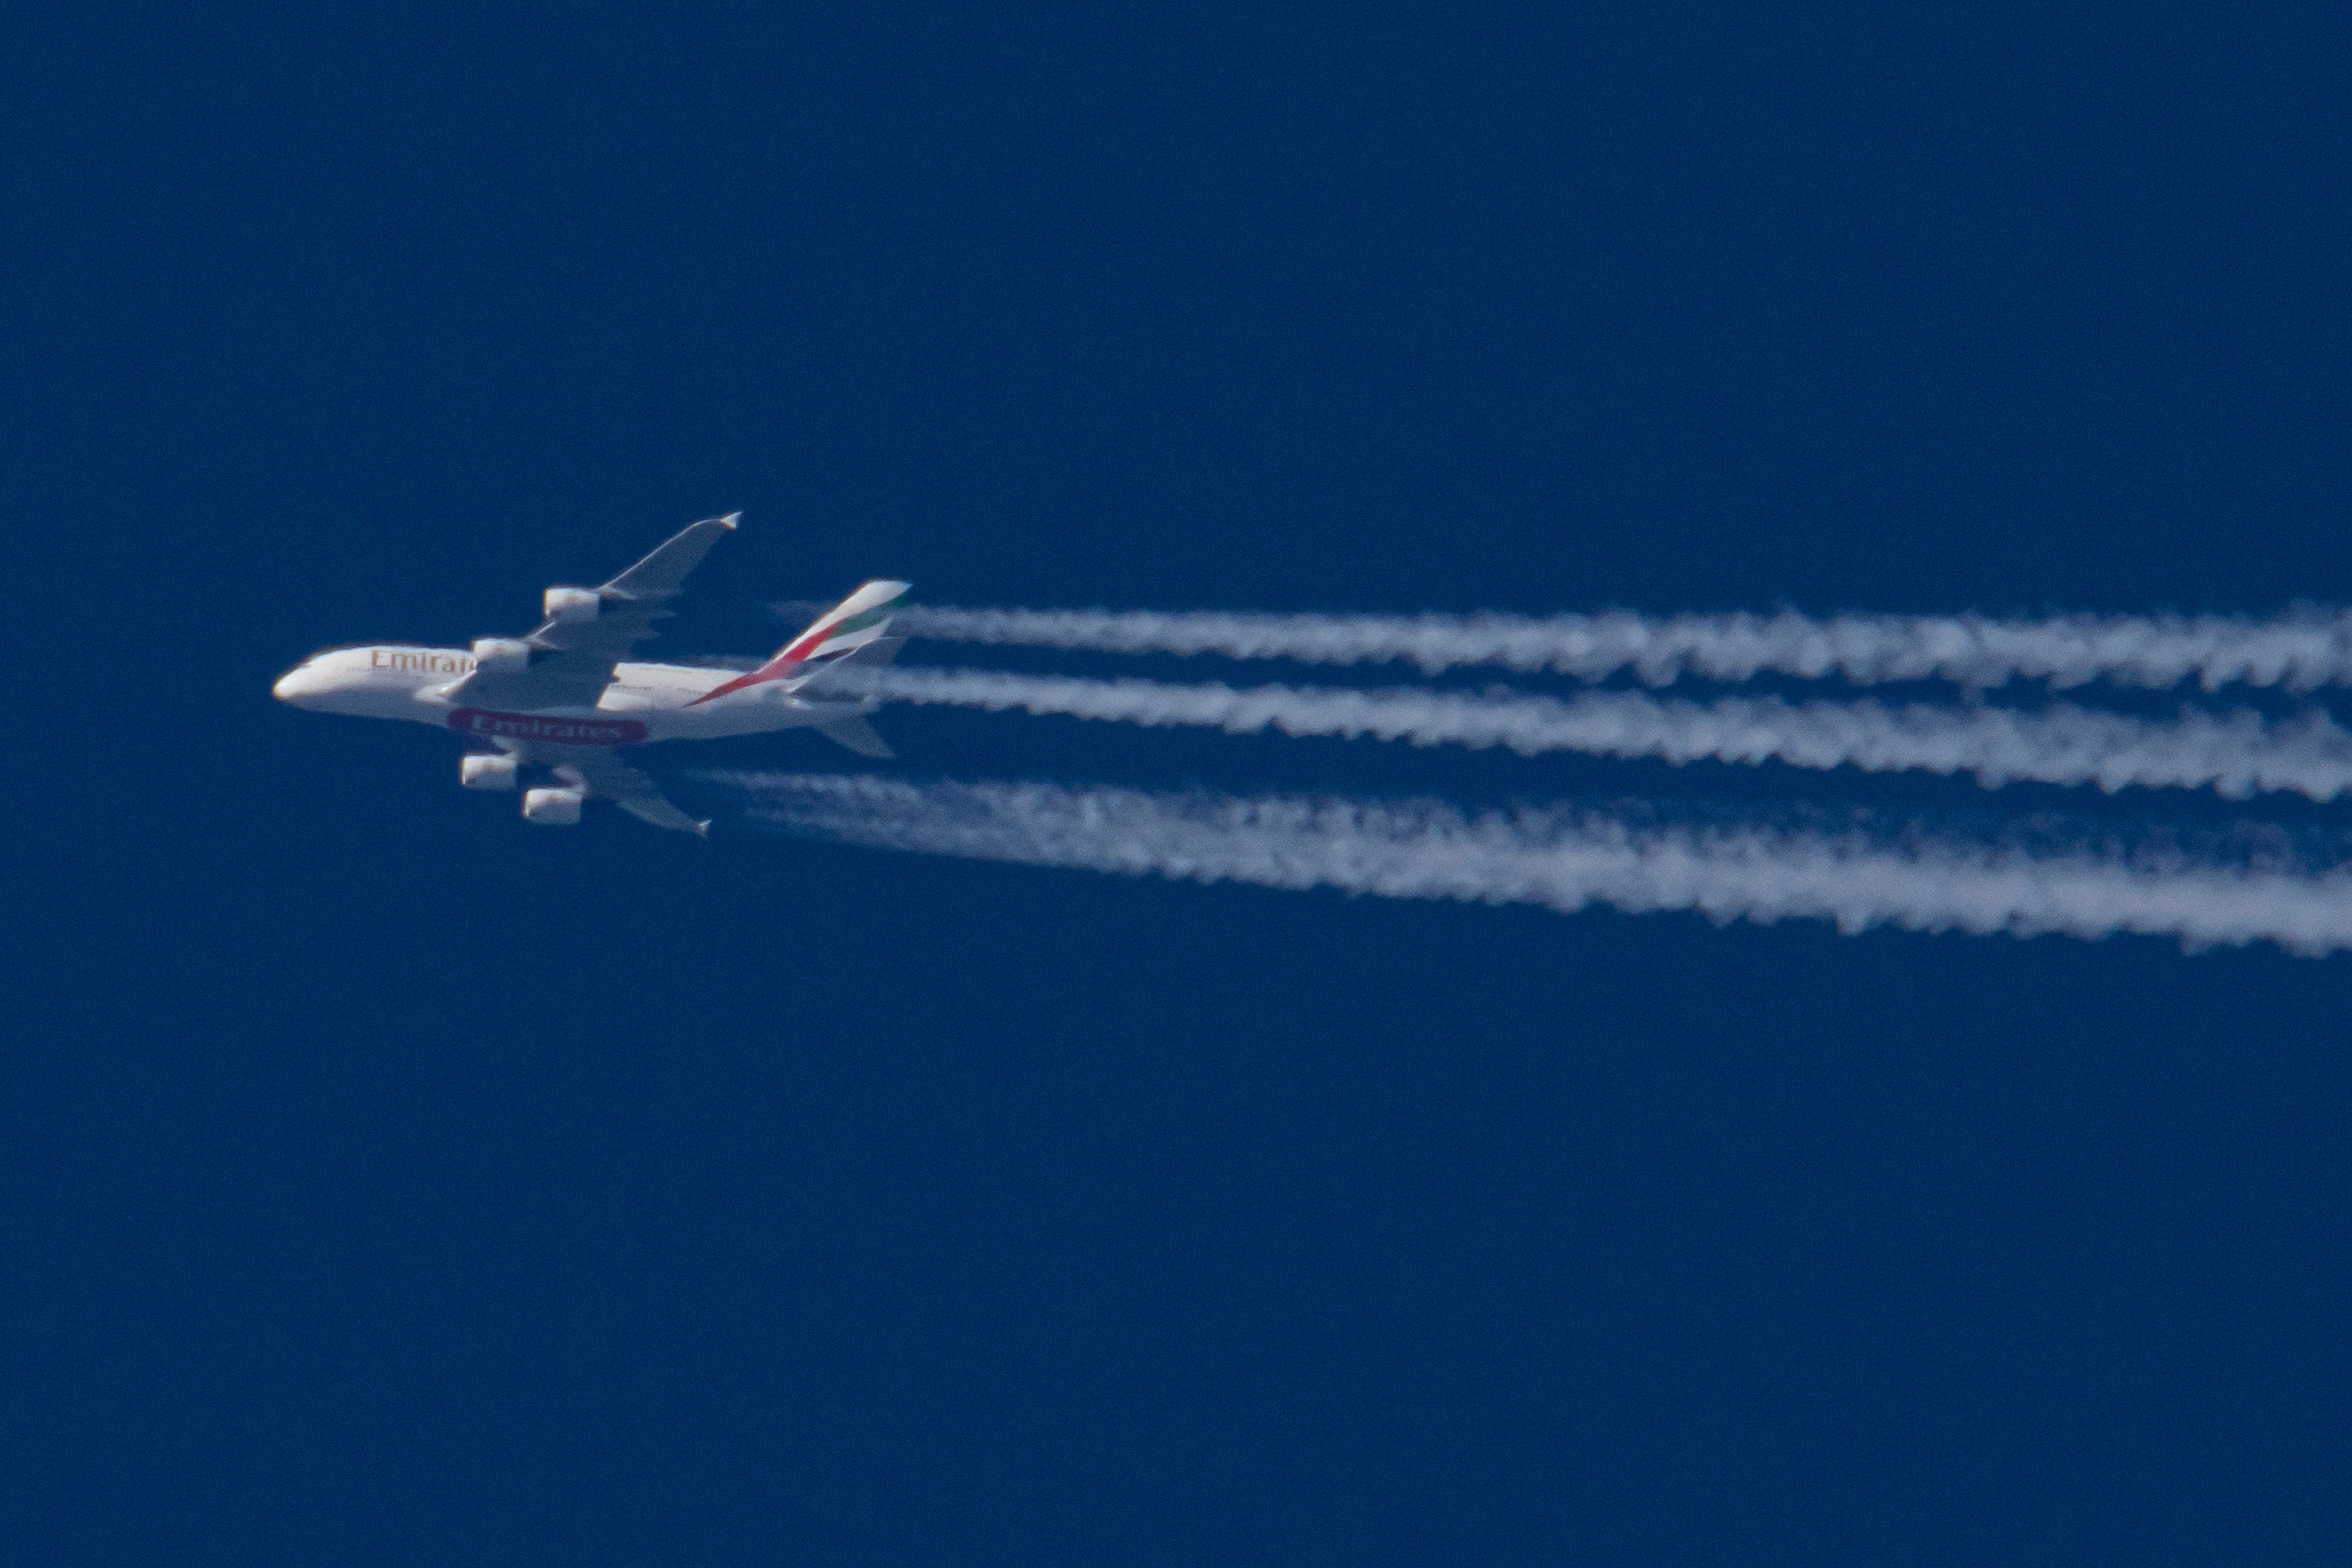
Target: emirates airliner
556, 708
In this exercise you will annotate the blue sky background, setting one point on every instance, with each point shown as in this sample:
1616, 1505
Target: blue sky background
385, 1181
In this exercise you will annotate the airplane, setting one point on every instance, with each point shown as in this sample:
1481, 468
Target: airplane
561, 701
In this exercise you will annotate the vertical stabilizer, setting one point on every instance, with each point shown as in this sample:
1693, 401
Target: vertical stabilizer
861, 618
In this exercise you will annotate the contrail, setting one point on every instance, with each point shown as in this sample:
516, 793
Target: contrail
2237, 754
2300, 651
1567, 859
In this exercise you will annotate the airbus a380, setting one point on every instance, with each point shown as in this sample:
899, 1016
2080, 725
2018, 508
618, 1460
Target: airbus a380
560, 702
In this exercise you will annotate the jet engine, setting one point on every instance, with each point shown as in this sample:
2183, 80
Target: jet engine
501, 656
487, 770
551, 807
572, 605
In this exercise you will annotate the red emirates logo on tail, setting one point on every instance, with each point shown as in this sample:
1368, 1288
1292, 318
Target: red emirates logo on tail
553, 731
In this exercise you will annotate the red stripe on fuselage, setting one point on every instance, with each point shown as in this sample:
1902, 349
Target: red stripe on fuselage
775, 669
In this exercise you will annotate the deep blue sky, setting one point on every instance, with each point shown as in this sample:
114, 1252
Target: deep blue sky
385, 1181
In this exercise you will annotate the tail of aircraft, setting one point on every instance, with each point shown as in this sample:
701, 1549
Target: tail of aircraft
853, 731
856, 732
861, 620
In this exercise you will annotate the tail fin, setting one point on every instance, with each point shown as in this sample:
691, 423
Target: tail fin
820, 681
861, 618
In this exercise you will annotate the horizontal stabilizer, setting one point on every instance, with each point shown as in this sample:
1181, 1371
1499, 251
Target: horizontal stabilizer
873, 656
881, 650
857, 734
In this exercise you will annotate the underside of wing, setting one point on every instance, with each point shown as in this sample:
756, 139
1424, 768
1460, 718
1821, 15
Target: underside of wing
596, 769
568, 661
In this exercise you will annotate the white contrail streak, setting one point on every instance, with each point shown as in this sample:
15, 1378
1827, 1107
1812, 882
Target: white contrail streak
2236, 754
1568, 859
2301, 651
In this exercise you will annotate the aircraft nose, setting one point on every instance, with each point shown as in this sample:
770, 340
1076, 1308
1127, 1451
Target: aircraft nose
296, 684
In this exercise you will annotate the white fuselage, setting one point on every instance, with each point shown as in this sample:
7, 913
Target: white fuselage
644, 702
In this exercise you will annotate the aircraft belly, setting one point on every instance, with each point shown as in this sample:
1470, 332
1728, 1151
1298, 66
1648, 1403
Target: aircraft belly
722, 720
378, 704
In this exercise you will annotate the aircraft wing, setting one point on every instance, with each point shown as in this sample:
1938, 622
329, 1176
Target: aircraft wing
572, 660
597, 771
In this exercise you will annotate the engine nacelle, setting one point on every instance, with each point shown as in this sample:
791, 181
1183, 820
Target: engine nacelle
570, 606
487, 770
501, 656
551, 807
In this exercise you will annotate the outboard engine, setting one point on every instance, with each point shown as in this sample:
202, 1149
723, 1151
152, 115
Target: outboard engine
551, 807
570, 606
501, 656
487, 770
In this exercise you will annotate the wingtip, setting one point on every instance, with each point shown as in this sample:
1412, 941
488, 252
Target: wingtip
732, 520
702, 828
